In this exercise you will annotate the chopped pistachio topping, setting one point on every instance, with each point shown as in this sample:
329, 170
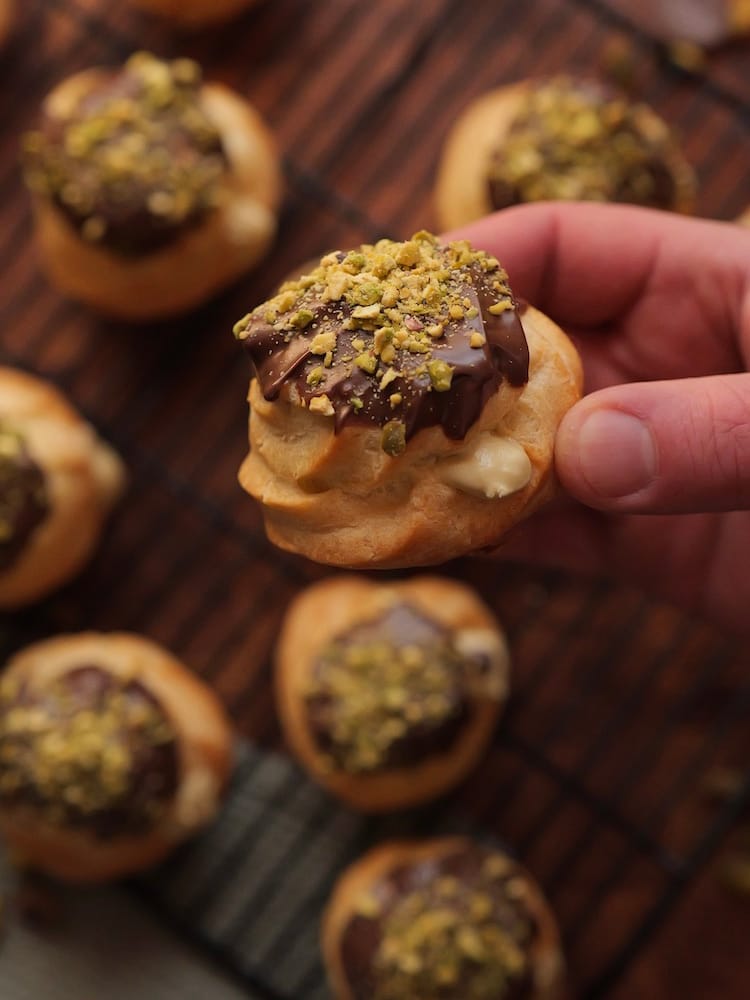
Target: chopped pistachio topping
440, 375
321, 404
393, 439
572, 140
371, 693
138, 156
453, 936
71, 758
385, 317
301, 319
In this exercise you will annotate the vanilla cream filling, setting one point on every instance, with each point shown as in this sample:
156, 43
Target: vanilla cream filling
494, 467
484, 644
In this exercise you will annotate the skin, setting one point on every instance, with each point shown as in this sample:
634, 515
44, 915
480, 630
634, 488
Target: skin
655, 459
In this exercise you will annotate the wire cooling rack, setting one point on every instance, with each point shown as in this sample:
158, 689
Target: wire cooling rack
621, 707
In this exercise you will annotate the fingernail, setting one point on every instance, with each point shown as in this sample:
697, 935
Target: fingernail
617, 453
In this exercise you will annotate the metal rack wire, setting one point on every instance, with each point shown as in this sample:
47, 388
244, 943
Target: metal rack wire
593, 776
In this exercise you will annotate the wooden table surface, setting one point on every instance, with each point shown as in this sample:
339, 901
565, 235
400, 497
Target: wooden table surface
621, 707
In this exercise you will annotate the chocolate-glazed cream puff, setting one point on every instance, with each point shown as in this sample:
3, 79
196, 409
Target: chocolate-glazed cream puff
152, 190
445, 919
560, 139
111, 753
388, 694
58, 483
195, 13
404, 405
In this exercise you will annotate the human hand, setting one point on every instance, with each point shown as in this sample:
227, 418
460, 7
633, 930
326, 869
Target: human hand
659, 307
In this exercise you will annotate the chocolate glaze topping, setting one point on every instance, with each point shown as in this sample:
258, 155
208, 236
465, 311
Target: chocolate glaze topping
577, 140
389, 693
89, 751
399, 335
137, 162
448, 927
23, 496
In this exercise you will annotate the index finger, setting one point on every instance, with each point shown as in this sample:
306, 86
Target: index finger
589, 265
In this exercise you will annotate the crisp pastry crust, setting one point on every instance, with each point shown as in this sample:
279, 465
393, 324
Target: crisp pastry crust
229, 239
83, 478
357, 883
203, 742
329, 611
338, 498
744, 219
194, 13
463, 191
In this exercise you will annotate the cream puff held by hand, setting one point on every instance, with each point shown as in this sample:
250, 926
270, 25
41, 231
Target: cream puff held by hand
58, 482
558, 139
404, 405
152, 190
111, 753
388, 694
446, 919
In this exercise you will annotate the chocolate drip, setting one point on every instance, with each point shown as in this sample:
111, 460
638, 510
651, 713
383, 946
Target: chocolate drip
137, 163
588, 143
479, 349
371, 653
23, 497
459, 884
103, 758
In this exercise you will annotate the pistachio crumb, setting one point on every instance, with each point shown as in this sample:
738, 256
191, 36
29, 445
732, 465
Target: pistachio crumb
322, 343
367, 362
302, 318
498, 308
389, 376
441, 375
393, 439
321, 404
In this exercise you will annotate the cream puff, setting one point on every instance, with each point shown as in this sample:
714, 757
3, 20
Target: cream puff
195, 13
151, 189
558, 139
388, 694
58, 483
446, 919
404, 405
111, 753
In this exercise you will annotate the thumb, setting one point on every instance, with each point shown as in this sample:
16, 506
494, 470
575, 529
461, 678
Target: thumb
660, 447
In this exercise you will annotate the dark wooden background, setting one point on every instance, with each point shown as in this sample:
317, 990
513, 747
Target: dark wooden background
621, 708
